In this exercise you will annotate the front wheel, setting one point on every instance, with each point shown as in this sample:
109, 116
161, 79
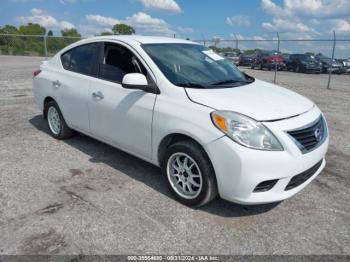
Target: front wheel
189, 173
57, 125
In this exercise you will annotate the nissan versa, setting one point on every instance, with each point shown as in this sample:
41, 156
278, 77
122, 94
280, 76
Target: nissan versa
211, 128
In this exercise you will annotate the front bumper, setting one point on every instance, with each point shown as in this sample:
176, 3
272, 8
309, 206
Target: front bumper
334, 70
273, 65
312, 69
239, 169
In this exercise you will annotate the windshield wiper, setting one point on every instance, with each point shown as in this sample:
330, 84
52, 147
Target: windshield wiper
229, 81
192, 85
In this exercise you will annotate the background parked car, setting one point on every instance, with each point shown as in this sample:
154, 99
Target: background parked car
232, 56
303, 63
245, 60
327, 64
268, 59
285, 58
346, 65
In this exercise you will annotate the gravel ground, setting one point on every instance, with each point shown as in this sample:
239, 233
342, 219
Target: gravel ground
82, 196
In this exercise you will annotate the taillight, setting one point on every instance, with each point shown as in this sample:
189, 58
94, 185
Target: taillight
36, 72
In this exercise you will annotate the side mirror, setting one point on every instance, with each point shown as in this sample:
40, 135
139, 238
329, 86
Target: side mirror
135, 81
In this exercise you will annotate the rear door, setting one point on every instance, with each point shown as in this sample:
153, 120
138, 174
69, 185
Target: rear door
122, 117
79, 66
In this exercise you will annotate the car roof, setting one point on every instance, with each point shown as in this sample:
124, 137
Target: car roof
130, 39
142, 39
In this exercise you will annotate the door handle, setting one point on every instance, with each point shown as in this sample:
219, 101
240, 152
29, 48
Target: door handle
56, 83
98, 95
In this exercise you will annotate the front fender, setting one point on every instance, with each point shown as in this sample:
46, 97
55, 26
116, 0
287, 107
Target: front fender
172, 116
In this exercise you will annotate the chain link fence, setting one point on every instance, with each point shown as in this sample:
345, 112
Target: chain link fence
47, 46
336, 50
33, 45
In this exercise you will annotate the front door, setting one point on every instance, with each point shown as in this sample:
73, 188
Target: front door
121, 116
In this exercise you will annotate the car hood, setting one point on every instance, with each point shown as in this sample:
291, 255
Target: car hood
274, 58
259, 100
346, 63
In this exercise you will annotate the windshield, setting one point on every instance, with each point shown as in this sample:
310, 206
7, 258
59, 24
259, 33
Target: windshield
308, 57
270, 53
191, 65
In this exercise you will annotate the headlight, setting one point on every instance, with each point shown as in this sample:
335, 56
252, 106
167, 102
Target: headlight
245, 131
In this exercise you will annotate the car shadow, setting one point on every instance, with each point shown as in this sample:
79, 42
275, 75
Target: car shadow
145, 172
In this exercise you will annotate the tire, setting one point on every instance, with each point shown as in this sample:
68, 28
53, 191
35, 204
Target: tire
252, 66
261, 66
297, 69
56, 123
205, 189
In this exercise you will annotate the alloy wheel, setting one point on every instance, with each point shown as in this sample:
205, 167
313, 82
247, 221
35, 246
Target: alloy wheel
54, 120
184, 175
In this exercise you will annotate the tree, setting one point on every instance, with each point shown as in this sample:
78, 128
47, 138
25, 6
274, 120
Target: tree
32, 29
106, 33
224, 49
123, 29
310, 53
7, 41
214, 48
250, 51
70, 32
50, 33
8, 29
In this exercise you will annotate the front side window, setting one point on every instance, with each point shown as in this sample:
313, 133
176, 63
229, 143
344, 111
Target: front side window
118, 61
192, 65
82, 59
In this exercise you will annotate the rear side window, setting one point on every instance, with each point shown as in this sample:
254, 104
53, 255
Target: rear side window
82, 59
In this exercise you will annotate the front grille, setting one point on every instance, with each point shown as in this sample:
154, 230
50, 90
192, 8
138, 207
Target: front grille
302, 177
265, 186
311, 136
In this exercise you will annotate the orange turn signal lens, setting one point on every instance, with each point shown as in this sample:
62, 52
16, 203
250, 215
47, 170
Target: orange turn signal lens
220, 122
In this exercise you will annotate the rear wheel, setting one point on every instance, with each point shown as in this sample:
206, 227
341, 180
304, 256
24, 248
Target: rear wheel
57, 125
189, 173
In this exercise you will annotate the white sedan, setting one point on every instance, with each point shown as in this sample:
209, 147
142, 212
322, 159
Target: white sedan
176, 104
